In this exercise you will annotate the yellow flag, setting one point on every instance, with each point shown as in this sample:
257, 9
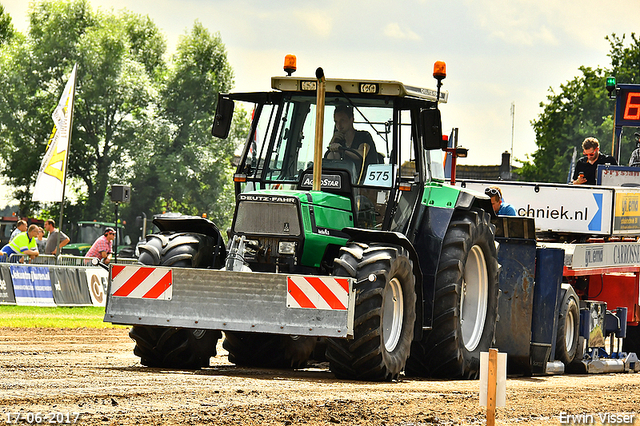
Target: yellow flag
53, 170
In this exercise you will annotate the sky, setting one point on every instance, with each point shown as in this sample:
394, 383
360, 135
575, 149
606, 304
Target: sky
498, 53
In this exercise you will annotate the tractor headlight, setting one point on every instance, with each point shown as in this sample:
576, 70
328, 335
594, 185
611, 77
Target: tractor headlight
287, 247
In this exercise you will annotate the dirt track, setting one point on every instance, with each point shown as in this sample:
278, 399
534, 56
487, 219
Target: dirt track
94, 373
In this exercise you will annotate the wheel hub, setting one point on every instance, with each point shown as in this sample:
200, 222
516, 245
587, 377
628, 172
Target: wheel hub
474, 298
569, 331
392, 314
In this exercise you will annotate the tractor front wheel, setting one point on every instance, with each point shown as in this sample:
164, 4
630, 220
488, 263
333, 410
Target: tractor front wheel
172, 347
385, 313
268, 350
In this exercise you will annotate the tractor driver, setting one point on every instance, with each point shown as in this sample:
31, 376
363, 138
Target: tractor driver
349, 143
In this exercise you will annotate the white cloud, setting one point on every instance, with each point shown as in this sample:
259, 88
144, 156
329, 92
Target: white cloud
319, 22
393, 30
519, 22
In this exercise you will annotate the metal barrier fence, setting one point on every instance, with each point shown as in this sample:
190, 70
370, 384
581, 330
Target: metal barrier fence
62, 260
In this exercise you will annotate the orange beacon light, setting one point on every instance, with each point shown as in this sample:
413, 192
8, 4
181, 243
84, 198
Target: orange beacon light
290, 64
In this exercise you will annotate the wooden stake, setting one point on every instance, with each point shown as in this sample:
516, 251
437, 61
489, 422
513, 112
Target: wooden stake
492, 382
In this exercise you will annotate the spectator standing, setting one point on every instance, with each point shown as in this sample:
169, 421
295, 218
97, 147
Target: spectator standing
499, 206
586, 167
52, 240
21, 226
40, 240
102, 248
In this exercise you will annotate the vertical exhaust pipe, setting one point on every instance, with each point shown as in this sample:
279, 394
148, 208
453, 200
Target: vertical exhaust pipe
317, 151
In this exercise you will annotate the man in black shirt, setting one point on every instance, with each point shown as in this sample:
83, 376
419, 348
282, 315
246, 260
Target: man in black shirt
586, 167
349, 143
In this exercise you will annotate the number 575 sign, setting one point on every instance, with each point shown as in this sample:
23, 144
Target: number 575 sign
379, 175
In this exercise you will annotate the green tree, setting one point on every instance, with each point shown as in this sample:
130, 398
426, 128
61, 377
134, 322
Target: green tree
138, 119
581, 108
7, 31
118, 72
190, 171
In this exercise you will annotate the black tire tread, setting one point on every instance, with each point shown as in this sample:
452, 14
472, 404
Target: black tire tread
364, 357
268, 350
562, 354
171, 347
441, 351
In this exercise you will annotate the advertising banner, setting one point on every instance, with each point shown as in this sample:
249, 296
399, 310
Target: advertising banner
67, 287
557, 207
618, 176
626, 219
32, 285
97, 279
6, 287
605, 255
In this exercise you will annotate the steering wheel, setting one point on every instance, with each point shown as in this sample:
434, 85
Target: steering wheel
355, 151
342, 156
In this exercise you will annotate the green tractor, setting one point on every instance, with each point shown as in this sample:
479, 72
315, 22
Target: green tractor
85, 233
357, 200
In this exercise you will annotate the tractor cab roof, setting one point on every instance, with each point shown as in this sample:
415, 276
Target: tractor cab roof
360, 87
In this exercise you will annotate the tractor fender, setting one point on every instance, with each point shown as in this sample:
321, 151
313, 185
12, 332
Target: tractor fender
431, 226
386, 237
395, 238
172, 222
430, 231
468, 201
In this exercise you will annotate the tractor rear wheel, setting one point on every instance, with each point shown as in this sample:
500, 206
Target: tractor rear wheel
268, 350
172, 347
385, 313
466, 301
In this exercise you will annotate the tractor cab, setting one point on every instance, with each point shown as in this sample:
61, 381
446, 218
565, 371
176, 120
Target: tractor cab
372, 145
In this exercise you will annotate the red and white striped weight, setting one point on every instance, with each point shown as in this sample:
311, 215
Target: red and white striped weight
141, 282
327, 293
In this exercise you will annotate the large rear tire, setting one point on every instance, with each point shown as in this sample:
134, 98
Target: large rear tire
385, 313
171, 347
268, 350
466, 301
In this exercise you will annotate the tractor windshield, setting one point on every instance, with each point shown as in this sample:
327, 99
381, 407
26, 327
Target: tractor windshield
368, 141
283, 145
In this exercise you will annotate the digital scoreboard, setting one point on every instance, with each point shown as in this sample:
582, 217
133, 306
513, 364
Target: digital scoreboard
627, 111
628, 105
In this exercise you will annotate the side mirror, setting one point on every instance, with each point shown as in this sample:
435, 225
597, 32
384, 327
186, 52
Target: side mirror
223, 117
431, 126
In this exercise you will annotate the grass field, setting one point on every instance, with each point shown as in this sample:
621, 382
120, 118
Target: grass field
39, 317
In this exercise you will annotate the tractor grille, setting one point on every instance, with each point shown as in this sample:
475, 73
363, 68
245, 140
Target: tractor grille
260, 218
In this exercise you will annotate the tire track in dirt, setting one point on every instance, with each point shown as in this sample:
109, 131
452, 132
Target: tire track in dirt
94, 373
